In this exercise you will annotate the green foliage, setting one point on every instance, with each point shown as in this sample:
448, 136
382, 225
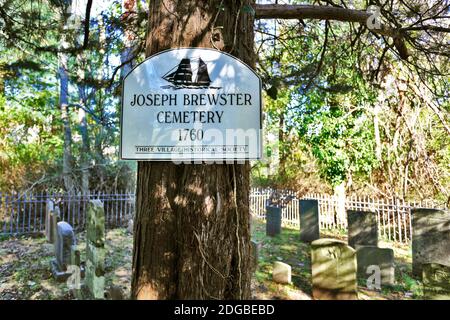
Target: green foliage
27, 143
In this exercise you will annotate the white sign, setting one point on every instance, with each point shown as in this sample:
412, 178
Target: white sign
191, 104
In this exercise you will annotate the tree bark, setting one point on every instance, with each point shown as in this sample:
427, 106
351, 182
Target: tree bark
63, 74
192, 230
281, 146
129, 9
305, 11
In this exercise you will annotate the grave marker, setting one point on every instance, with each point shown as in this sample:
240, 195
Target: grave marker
64, 245
362, 228
333, 270
51, 219
309, 220
281, 272
95, 250
273, 220
436, 281
367, 256
430, 238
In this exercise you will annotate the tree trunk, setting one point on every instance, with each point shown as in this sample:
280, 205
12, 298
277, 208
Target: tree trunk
64, 107
192, 230
129, 8
281, 146
85, 149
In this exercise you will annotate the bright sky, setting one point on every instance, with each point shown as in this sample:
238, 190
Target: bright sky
79, 7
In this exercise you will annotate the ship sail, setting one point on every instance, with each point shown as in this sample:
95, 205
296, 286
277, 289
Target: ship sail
182, 76
202, 74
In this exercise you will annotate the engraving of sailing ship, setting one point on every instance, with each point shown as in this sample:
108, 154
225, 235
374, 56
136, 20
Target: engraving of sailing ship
181, 76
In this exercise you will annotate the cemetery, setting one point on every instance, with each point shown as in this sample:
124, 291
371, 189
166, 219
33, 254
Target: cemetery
292, 263
225, 151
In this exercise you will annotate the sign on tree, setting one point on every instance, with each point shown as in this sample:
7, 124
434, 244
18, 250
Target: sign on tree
191, 104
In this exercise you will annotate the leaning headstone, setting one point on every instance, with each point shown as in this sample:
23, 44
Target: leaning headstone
333, 270
436, 281
309, 220
273, 220
48, 229
362, 228
430, 238
382, 258
281, 272
130, 226
51, 219
254, 252
95, 250
64, 243
55, 218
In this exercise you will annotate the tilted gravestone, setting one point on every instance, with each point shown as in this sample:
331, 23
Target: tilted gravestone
51, 219
333, 270
130, 226
436, 281
383, 258
362, 228
95, 250
281, 272
254, 252
64, 246
309, 220
430, 238
273, 220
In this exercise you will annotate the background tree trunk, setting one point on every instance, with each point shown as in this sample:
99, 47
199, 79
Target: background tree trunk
63, 75
192, 230
281, 147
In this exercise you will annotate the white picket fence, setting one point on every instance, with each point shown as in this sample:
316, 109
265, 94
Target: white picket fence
393, 215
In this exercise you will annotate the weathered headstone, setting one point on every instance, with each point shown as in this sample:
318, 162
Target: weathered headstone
114, 292
130, 226
309, 220
333, 270
430, 238
51, 219
362, 228
55, 218
64, 245
383, 258
436, 281
281, 272
95, 250
273, 220
254, 252
48, 230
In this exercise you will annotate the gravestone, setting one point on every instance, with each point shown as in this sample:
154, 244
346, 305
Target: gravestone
362, 228
273, 220
281, 272
333, 270
130, 226
51, 219
64, 246
95, 250
114, 292
430, 238
309, 220
436, 281
367, 256
254, 252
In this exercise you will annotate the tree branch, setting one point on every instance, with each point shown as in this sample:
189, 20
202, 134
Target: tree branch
302, 11
86, 24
